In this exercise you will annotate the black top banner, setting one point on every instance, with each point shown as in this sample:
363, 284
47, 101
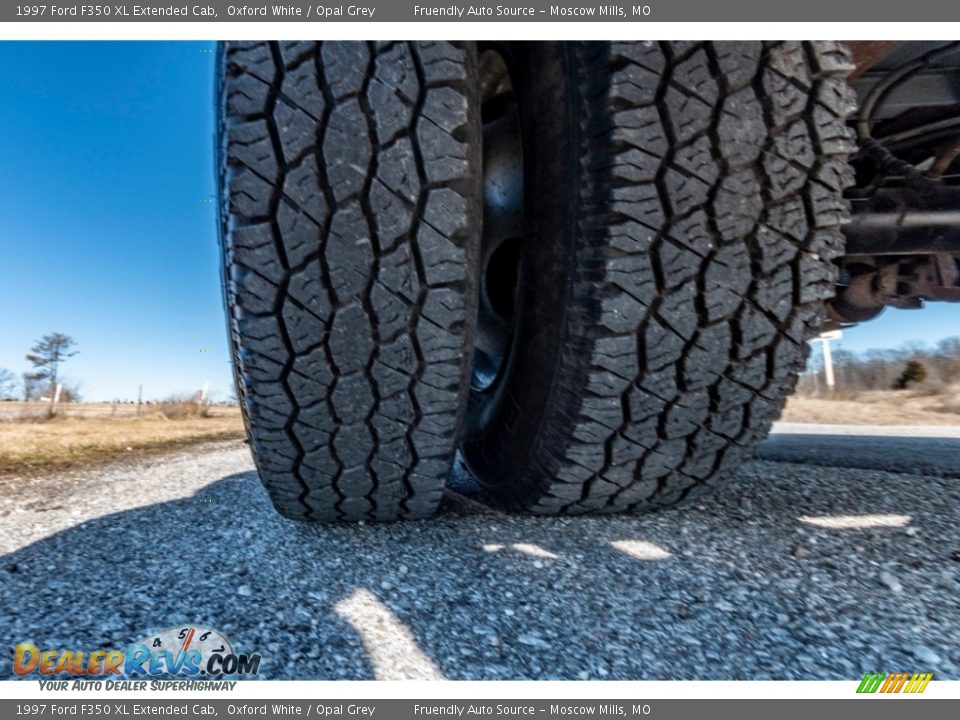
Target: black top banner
531, 11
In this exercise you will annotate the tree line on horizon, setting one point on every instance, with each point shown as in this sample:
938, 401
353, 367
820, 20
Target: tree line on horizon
46, 357
910, 366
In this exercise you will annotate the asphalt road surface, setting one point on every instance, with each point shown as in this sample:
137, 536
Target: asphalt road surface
835, 554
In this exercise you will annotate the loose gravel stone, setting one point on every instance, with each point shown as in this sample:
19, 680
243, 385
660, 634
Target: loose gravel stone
890, 580
621, 597
925, 655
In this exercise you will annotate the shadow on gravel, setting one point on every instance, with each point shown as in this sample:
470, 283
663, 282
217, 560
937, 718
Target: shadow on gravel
752, 583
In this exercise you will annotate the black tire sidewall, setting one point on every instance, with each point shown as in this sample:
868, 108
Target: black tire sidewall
500, 450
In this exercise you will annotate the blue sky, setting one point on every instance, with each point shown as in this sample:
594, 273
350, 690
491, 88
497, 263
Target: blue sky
108, 229
107, 225
897, 327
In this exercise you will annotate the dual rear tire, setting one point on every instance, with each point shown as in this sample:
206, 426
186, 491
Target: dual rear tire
673, 211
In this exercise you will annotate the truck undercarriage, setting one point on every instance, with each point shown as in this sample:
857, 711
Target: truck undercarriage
903, 241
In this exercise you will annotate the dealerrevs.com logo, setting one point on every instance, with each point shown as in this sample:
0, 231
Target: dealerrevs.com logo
189, 650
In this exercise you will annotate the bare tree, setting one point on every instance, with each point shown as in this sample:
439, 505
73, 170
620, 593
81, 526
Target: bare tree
47, 355
8, 384
71, 391
31, 387
948, 352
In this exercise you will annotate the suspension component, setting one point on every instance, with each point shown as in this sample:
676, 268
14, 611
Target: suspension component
868, 284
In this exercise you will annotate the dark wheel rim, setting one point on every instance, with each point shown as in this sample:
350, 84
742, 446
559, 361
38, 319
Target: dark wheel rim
502, 236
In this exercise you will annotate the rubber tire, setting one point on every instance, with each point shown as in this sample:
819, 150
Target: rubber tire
684, 209
350, 195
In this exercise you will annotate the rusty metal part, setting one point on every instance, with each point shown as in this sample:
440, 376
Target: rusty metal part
865, 296
867, 53
875, 282
944, 159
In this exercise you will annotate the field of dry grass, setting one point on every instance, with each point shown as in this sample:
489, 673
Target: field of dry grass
879, 407
93, 433
84, 434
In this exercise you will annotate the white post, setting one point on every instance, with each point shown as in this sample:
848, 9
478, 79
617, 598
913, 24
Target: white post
203, 393
825, 339
827, 363
56, 399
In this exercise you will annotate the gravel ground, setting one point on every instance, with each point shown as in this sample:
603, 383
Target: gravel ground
790, 571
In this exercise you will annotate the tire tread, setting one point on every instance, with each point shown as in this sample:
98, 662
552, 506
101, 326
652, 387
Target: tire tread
338, 160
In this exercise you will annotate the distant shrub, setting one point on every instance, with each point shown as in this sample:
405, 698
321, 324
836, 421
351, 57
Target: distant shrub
180, 407
913, 373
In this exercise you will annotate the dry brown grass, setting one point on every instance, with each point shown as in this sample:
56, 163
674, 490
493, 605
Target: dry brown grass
919, 406
180, 408
34, 446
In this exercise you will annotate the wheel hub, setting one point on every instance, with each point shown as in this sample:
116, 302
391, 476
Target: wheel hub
503, 221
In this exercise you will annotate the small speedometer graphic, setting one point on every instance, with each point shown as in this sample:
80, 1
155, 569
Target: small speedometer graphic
189, 637
184, 646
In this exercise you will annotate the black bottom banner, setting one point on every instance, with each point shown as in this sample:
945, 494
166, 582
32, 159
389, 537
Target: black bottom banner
875, 708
